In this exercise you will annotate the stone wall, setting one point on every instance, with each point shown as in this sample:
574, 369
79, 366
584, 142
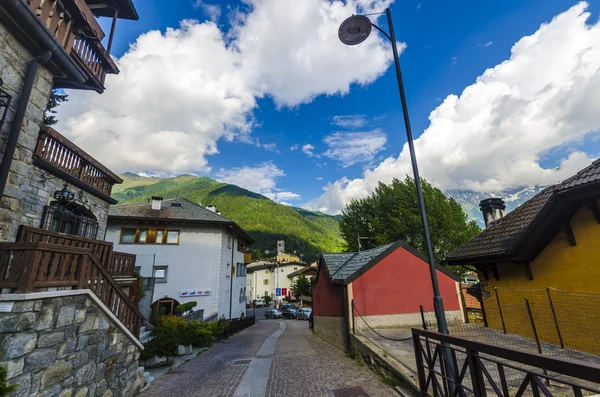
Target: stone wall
332, 330
66, 344
29, 188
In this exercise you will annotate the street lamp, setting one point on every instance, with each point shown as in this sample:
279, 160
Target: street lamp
353, 31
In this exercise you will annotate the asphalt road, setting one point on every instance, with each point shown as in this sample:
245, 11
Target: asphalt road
273, 358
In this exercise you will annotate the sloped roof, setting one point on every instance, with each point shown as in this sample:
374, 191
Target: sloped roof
345, 267
303, 270
503, 238
183, 210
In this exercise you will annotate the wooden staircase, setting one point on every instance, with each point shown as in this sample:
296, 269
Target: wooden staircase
42, 260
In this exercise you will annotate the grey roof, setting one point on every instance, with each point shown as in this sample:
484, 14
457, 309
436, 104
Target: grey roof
358, 261
345, 267
503, 238
184, 210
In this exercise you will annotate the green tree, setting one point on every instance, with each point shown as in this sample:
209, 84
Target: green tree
301, 286
391, 213
56, 98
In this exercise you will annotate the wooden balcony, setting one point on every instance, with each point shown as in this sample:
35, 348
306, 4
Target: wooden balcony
118, 264
31, 267
63, 158
76, 30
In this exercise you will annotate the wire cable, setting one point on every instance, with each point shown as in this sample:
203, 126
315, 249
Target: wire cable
384, 337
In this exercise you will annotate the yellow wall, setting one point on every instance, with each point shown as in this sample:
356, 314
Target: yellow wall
575, 270
287, 258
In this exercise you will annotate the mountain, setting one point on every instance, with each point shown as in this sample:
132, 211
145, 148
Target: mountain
306, 232
469, 200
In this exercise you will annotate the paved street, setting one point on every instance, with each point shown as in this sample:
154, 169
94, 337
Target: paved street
283, 358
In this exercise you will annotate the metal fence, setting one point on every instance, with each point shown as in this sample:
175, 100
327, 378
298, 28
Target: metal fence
236, 325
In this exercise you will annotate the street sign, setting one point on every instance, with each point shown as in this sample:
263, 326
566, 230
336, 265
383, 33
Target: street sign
284, 291
277, 291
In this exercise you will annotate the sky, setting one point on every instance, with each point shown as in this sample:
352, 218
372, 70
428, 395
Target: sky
262, 94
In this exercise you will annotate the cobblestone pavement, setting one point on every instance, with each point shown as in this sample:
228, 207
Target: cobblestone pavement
303, 366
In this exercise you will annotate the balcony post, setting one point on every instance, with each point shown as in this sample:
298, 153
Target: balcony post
112, 31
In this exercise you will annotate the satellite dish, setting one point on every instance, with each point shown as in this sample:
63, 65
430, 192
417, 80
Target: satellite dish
355, 30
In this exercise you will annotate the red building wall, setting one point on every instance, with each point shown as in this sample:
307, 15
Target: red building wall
328, 298
398, 285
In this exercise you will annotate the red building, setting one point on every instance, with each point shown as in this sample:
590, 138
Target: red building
388, 285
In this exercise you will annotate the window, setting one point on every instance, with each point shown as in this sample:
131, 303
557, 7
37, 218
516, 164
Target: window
143, 235
70, 218
172, 236
149, 236
160, 274
266, 281
228, 241
128, 236
295, 268
241, 270
137, 269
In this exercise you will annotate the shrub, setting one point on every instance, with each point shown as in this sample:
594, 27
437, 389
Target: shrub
5, 389
171, 332
200, 334
268, 300
186, 307
179, 310
217, 328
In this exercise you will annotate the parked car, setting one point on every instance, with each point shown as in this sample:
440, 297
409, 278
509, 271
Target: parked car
304, 314
290, 313
289, 306
273, 313
260, 302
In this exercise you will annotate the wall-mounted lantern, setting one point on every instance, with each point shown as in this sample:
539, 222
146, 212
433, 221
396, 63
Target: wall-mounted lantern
4, 104
64, 195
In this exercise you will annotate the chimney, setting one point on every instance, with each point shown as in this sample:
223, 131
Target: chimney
211, 208
493, 210
156, 203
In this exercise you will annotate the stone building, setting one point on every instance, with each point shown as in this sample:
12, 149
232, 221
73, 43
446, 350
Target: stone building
69, 322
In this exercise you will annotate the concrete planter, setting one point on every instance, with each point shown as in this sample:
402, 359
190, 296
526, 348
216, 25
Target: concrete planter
184, 350
154, 362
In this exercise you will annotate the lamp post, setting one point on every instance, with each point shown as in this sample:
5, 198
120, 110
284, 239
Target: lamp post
353, 31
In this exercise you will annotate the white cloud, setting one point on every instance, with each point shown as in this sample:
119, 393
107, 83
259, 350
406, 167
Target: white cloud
271, 147
320, 178
489, 43
454, 60
261, 179
294, 147
491, 137
351, 148
213, 11
181, 91
308, 150
351, 121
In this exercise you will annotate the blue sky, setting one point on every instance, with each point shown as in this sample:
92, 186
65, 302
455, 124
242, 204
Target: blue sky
448, 46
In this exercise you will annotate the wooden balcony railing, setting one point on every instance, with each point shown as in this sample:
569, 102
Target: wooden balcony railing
121, 264
116, 263
74, 26
31, 267
68, 160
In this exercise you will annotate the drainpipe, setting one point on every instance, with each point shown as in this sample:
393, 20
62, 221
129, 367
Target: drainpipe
231, 284
15, 129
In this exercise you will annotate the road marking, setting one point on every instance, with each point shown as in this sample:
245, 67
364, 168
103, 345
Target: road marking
254, 382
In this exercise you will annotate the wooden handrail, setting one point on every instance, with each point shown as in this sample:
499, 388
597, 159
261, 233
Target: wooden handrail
31, 266
121, 264
61, 153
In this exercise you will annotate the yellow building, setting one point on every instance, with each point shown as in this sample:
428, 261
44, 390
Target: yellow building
286, 258
546, 255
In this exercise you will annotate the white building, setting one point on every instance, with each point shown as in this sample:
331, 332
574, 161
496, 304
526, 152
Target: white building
194, 254
265, 277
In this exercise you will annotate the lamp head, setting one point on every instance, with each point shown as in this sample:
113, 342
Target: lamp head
355, 30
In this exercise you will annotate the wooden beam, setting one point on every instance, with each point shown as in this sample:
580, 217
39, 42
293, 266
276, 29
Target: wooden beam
112, 30
527, 267
568, 230
593, 206
494, 267
484, 270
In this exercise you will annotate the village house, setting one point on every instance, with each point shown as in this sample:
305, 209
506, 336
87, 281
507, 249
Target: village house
545, 251
264, 278
193, 253
61, 285
383, 287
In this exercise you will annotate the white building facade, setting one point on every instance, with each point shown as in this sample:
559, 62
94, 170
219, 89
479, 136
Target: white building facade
264, 278
194, 254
